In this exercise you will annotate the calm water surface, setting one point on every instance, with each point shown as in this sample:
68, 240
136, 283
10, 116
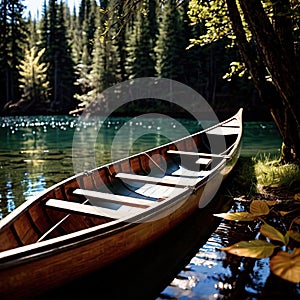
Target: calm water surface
36, 152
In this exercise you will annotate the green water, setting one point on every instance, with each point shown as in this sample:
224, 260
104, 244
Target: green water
36, 152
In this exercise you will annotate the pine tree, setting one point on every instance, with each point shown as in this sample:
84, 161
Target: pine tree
105, 67
106, 56
59, 57
12, 43
87, 27
4, 54
64, 73
33, 81
141, 57
170, 46
33, 35
44, 26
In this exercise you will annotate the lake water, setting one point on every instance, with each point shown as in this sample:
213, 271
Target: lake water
36, 152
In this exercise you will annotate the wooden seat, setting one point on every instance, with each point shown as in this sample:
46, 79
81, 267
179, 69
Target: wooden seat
89, 209
190, 173
166, 180
212, 155
203, 161
162, 192
232, 123
113, 198
224, 130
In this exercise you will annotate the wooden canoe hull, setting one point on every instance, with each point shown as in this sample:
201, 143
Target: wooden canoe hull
23, 281
31, 270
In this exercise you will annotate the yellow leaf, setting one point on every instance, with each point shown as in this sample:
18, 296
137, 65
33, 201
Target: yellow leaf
297, 196
287, 265
283, 213
259, 208
272, 233
254, 249
271, 203
295, 235
238, 216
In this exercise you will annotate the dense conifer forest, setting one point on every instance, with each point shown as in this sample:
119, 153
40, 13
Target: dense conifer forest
61, 61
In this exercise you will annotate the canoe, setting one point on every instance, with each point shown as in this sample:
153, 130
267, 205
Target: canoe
97, 217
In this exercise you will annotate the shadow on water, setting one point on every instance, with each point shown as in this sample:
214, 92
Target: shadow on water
242, 179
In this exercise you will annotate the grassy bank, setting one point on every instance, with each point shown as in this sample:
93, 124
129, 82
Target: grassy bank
265, 176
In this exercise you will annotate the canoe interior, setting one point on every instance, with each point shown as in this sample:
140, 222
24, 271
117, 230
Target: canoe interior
39, 221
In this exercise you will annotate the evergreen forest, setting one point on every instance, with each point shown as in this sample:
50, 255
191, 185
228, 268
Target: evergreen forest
62, 60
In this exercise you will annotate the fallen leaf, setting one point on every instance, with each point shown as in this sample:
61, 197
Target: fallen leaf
287, 265
297, 220
283, 213
297, 196
237, 216
271, 203
272, 233
295, 235
254, 249
259, 208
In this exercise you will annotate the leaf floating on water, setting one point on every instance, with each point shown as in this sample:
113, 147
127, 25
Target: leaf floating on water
295, 235
287, 265
272, 233
237, 216
254, 249
259, 208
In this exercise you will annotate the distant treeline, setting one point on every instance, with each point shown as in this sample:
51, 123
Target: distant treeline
65, 59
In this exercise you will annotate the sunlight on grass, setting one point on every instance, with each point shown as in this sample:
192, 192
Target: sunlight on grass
253, 174
269, 172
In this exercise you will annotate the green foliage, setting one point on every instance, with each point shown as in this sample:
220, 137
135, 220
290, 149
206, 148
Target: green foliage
215, 18
271, 172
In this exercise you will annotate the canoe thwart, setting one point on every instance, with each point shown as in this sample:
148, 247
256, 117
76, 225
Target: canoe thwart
86, 209
113, 198
224, 130
190, 173
212, 155
203, 161
231, 123
168, 180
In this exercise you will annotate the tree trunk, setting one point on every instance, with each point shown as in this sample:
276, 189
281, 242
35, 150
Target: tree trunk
283, 101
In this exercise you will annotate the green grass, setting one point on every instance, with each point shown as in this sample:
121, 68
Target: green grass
252, 174
269, 172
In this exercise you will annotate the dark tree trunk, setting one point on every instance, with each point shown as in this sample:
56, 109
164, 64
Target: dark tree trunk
274, 51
